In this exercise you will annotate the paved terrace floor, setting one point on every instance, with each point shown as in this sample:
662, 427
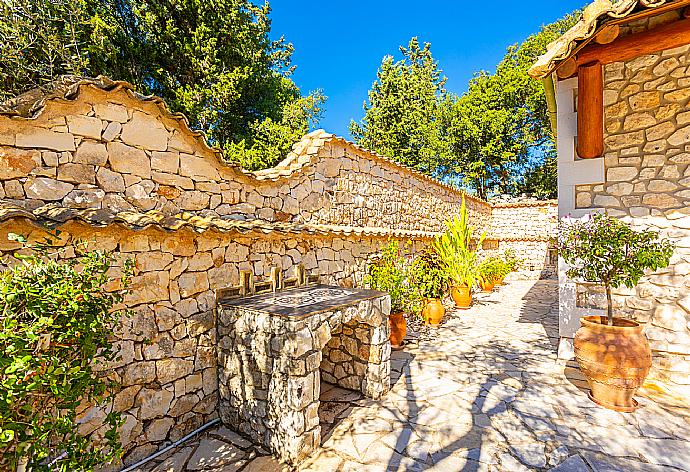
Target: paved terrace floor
482, 393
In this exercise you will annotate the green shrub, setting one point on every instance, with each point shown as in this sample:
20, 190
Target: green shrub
455, 249
390, 272
428, 275
56, 326
511, 261
490, 269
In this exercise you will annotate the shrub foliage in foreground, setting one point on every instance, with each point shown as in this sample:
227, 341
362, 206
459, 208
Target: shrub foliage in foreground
56, 326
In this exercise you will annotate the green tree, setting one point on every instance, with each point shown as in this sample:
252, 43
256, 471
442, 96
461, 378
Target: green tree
499, 135
212, 61
402, 110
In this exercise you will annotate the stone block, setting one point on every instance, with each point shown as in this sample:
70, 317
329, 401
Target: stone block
128, 160
616, 174
191, 283
84, 198
110, 181
142, 372
145, 132
198, 168
165, 161
153, 403
111, 131
90, 152
16, 163
170, 369
680, 137
645, 100
45, 139
77, 173
87, 126
111, 112
43, 188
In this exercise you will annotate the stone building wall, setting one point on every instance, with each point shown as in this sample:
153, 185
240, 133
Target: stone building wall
647, 183
105, 165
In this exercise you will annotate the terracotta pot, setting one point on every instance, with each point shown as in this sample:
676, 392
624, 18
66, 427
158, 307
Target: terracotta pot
498, 281
615, 359
398, 326
486, 285
462, 295
433, 311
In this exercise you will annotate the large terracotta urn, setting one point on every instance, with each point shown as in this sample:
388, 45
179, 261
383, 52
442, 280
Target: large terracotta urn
398, 328
462, 296
433, 312
615, 359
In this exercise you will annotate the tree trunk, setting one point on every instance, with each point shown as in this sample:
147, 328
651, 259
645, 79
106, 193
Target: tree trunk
609, 305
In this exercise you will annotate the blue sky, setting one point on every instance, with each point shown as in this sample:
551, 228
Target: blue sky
339, 44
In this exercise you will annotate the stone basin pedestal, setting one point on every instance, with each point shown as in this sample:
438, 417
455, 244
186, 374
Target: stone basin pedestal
275, 348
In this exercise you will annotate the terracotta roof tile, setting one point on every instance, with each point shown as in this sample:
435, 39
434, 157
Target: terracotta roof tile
594, 16
52, 216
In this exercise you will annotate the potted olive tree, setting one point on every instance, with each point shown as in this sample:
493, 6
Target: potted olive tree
613, 353
459, 258
390, 272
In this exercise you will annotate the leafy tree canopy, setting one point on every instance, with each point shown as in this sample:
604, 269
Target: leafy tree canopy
499, 132
402, 110
212, 61
495, 138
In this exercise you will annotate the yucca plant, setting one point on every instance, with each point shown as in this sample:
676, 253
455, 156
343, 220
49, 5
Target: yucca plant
454, 247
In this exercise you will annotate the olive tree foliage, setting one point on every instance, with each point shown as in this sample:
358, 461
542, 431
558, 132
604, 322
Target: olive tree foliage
212, 61
56, 330
402, 109
605, 250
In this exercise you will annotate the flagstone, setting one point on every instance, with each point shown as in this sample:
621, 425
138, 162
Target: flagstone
484, 392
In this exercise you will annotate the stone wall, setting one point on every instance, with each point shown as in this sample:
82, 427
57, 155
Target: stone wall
106, 165
110, 150
168, 347
647, 144
527, 228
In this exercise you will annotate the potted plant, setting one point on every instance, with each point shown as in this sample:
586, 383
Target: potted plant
507, 264
613, 353
454, 248
389, 272
430, 280
489, 271
502, 270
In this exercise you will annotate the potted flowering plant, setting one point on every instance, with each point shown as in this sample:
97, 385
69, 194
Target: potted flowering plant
612, 352
390, 272
508, 263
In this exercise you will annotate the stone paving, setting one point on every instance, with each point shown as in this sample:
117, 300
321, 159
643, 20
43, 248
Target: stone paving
482, 393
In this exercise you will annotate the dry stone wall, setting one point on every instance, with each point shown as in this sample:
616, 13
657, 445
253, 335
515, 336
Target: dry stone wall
647, 162
119, 171
526, 228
